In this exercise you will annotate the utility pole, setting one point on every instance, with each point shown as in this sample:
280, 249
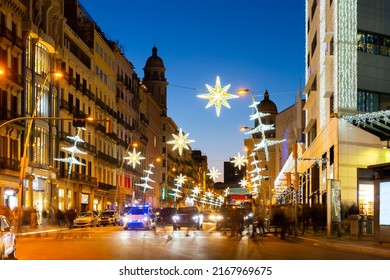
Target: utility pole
296, 185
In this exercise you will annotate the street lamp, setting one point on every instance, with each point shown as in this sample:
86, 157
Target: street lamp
24, 160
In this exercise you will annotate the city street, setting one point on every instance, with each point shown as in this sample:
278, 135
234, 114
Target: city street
115, 243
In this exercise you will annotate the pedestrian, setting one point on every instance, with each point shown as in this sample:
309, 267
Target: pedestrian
71, 216
34, 218
237, 221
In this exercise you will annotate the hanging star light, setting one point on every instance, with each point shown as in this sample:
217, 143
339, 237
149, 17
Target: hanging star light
134, 158
217, 96
243, 183
180, 141
239, 161
196, 191
213, 174
226, 191
180, 179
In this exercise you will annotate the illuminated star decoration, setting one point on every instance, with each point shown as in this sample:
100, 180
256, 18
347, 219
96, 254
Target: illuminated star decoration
180, 141
147, 179
217, 96
195, 192
180, 179
213, 174
73, 150
134, 158
243, 183
239, 161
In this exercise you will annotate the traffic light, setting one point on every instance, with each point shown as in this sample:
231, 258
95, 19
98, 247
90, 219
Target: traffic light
79, 120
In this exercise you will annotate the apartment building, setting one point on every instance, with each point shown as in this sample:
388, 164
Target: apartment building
62, 160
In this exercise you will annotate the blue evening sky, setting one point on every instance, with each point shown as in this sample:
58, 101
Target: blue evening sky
255, 44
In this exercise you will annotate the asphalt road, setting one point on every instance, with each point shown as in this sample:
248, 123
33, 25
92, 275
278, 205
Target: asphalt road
115, 243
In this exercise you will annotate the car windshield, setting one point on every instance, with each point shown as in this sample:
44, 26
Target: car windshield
168, 211
85, 214
108, 213
138, 211
188, 210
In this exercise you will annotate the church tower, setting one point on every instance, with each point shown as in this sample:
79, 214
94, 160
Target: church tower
154, 79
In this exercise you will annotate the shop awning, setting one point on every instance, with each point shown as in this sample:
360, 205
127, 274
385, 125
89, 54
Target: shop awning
377, 123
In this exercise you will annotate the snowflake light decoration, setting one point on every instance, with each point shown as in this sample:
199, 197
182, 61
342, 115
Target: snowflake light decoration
243, 183
180, 141
196, 191
73, 150
213, 174
146, 179
217, 96
265, 143
239, 161
180, 179
134, 158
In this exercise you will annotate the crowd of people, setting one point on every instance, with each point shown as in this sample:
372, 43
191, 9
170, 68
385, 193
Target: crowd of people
31, 216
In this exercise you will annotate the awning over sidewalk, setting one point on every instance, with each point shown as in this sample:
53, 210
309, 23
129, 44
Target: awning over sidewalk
377, 123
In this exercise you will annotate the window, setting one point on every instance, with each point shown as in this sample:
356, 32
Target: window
331, 104
372, 101
331, 155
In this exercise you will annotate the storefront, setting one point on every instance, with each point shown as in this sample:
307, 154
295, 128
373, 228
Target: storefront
10, 197
381, 186
374, 202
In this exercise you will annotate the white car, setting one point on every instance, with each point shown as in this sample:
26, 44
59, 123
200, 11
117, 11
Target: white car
141, 217
87, 219
7, 239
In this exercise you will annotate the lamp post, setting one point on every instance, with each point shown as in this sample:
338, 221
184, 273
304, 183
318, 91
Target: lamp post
24, 160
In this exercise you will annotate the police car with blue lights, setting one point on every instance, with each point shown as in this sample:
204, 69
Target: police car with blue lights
139, 217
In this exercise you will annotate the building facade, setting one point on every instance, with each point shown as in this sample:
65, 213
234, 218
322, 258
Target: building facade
347, 67
51, 156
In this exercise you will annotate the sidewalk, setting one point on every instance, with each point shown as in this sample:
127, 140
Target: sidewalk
343, 242
346, 243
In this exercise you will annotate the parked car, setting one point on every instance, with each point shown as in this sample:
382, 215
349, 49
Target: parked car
188, 216
209, 216
7, 239
164, 216
141, 217
109, 217
87, 219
